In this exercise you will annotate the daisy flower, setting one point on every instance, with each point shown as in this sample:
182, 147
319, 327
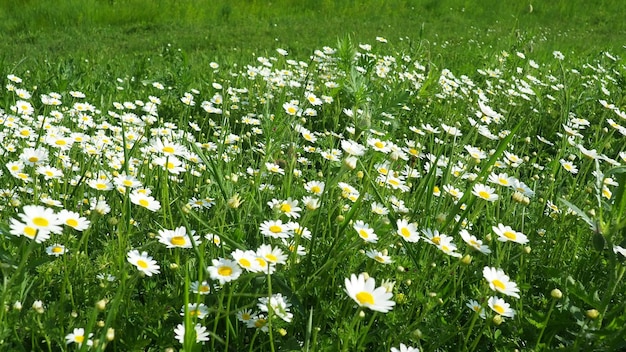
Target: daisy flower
365, 232
499, 281
473, 242
224, 270
18, 229
271, 255
445, 245
145, 200
199, 310
378, 256
365, 293
407, 231
485, 192
246, 315
199, 333
246, 260
506, 233
143, 262
56, 250
353, 148
275, 229
202, 288
315, 187
499, 306
476, 307
44, 220
177, 238
278, 304
73, 220
77, 336
405, 348
289, 207
569, 166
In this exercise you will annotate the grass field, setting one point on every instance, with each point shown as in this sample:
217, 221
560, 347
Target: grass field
312, 176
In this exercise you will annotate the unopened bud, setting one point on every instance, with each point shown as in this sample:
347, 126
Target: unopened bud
101, 304
497, 319
282, 332
467, 259
556, 293
592, 313
361, 314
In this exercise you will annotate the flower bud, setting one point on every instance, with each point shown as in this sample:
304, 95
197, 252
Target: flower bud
592, 313
467, 259
101, 304
497, 319
110, 334
556, 293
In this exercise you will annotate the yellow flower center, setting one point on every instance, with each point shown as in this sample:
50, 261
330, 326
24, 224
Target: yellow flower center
178, 240
101, 186
364, 233
30, 231
142, 264
276, 228
510, 235
168, 150
33, 159
224, 270
60, 142
79, 338
285, 208
71, 222
41, 222
25, 133
57, 249
204, 288
405, 232
316, 189
379, 144
244, 262
484, 194
498, 308
436, 239
498, 284
271, 257
127, 183
144, 203
364, 297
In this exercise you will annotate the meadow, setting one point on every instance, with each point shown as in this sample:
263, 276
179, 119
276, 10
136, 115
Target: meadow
312, 176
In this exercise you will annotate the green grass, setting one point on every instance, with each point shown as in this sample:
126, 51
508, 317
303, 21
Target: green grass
247, 159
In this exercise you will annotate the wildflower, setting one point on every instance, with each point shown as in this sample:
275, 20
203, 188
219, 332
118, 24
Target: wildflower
271, 255
246, 315
42, 219
278, 304
73, 220
365, 232
289, 207
143, 262
274, 168
275, 229
200, 333
485, 192
32, 156
246, 260
315, 187
445, 245
473, 242
379, 209
290, 108
378, 256
476, 307
202, 288
353, 148
499, 281
569, 166
407, 231
177, 238
56, 250
366, 294
506, 233
405, 348
199, 310
258, 322
224, 270
145, 200
499, 306
311, 203
77, 336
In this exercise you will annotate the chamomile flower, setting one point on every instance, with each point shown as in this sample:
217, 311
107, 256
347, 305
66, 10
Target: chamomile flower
145, 200
473, 242
77, 336
499, 281
278, 304
200, 333
178, 238
445, 245
198, 310
246, 260
42, 219
271, 255
499, 306
224, 270
365, 231
365, 293
379, 256
288, 207
56, 250
275, 229
314, 187
408, 231
246, 315
569, 166
202, 288
506, 234
73, 220
143, 262
485, 192
405, 348
476, 307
